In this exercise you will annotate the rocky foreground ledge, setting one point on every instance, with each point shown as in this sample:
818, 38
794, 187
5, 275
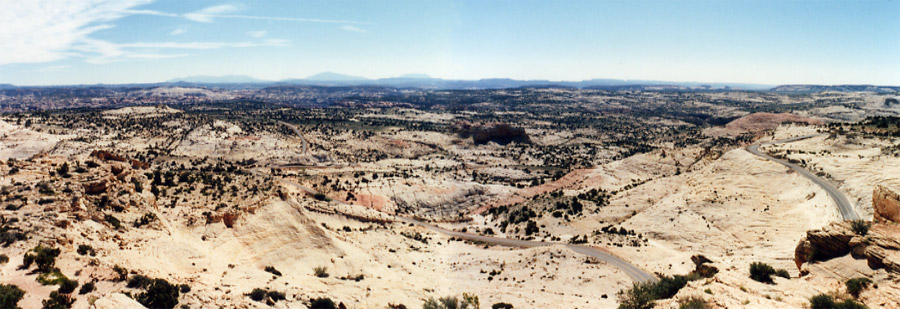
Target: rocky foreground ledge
878, 245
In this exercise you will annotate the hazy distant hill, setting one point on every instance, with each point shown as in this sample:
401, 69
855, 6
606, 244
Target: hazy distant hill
224, 79
332, 77
840, 88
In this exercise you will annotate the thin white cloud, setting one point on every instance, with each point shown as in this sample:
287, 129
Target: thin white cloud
257, 34
200, 45
307, 20
46, 30
35, 31
150, 12
206, 15
353, 29
54, 68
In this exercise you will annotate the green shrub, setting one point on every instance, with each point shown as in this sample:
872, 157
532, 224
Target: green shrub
160, 294
856, 285
122, 272
86, 288
113, 221
761, 272
184, 288
321, 196
68, 286
692, 303
448, 302
86, 249
260, 294
821, 301
642, 295
502, 306
139, 282
10, 295
860, 227
783, 273
321, 271
43, 257
272, 270
57, 301
322, 303
4, 259
51, 278
275, 295
257, 294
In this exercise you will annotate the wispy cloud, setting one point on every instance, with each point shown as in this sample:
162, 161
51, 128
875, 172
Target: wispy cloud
36, 31
353, 29
43, 31
54, 68
257, 34
206, 15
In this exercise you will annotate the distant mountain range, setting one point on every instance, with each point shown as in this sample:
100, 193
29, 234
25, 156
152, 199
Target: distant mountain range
422, 81
837, 88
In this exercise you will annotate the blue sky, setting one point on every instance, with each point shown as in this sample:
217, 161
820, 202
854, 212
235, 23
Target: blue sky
770, 42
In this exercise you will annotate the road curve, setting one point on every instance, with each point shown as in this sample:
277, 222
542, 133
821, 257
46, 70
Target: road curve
632, 271
300, 134
848, 212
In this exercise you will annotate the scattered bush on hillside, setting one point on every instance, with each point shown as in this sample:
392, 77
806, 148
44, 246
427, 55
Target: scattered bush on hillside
10, 295
86, 249
824, 301
67, 286
261, 294
762, 272
121, 272
272, 270
160, 294
139, 282
113, 221
57, 301
321, 271
860, 227
86, 288
693, 302
43, 257
857, 285
642, 295
322, 303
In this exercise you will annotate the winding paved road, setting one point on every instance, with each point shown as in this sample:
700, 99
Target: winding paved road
300, 134
843, 204
636, 273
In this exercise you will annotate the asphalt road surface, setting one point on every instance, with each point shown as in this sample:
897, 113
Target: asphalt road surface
843, 204
632, 271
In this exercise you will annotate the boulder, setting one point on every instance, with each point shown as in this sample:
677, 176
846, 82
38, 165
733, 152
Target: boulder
117, 301
825, 243
94, 188
879, 247
886, 203
135, 164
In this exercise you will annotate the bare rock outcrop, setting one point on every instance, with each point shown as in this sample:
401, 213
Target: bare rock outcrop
886, 203
94, 188
879, 246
